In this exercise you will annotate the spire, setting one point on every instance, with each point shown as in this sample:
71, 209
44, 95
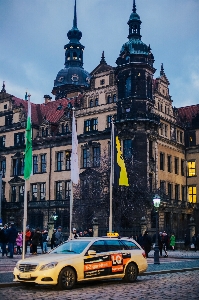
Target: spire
162, 70
3, 90
26, 96
134, 24
134, 7
103, 61
75, 16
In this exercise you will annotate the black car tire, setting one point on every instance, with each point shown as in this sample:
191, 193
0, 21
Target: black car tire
67, 279
131, 273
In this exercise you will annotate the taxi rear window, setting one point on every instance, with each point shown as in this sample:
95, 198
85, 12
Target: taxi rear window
130, 245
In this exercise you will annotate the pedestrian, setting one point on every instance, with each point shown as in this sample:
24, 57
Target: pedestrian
146, 241
41, 242
53, 244
194, 242
80, 234
45, 239
19, 242
4, 240
86, 234
35, 240
58, 236
160, 243
90, 232
186, 242
27, 238
75, 235
172, 241
165, 240
12, 235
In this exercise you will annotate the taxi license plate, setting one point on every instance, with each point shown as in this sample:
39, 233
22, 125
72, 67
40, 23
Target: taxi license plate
24, 276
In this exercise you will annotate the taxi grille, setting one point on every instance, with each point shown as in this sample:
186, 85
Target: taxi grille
27, 267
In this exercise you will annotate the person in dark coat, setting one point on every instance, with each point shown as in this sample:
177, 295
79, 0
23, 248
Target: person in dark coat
146, 242
12, 234
186, 242
36, 240
160, 243
4, 240
53, 244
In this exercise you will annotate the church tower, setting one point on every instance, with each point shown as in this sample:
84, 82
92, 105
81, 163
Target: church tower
136, 123
73, 78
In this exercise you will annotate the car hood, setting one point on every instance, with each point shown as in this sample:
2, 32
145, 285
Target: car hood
47, 258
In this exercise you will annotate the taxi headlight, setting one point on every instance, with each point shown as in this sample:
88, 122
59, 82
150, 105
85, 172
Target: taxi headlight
49, 266
17, 266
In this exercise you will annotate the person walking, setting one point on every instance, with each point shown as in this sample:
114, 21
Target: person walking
45, 239
160, 243
58, 236
186, 242
12, 235
19, 242
36, 240
165, 243
194, 242
172, 241
27, 238
4, 240
146, 240
52, 244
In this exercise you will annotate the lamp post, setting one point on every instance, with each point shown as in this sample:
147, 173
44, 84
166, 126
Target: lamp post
156, 202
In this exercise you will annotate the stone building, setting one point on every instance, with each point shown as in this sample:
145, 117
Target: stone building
159, 144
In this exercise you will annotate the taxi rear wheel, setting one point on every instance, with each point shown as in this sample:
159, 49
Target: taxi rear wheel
67, 278
131, 273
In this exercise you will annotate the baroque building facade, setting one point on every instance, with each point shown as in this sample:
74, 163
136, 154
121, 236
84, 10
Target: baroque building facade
159, 144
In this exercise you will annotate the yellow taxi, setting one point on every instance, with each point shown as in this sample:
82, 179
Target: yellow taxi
84, 259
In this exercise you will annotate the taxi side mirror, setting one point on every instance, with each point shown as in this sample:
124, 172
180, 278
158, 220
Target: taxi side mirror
91, 252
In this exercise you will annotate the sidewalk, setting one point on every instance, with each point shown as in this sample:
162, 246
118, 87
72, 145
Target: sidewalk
177, 261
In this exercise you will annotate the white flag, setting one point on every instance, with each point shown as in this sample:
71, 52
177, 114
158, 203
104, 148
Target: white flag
74, 156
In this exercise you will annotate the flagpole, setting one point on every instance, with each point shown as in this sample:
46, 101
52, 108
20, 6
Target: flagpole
24, 219
111, 180
71, 209
27, 170
74, 166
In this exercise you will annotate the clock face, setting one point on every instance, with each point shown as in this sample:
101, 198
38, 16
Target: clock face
60, 79
75, 77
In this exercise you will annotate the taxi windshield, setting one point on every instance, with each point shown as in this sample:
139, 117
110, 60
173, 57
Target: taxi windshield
71, 247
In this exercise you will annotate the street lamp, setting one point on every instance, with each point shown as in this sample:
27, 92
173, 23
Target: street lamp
156, 202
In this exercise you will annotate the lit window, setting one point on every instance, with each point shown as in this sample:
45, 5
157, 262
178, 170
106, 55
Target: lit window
192, 194
191, 168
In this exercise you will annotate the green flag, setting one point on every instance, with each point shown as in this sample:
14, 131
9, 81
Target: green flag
28, 151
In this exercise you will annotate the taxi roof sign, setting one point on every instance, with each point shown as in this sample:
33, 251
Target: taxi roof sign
112, 234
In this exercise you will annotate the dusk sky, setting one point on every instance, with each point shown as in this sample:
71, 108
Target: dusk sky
33, 34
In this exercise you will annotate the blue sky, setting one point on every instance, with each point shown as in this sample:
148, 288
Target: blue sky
33, 34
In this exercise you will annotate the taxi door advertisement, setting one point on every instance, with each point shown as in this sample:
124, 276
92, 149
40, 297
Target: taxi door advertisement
105, 265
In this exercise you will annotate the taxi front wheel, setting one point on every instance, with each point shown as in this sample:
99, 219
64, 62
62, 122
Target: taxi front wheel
131, 273
67, 278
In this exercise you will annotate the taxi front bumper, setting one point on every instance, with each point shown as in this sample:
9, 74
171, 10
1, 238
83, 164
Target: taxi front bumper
38, 276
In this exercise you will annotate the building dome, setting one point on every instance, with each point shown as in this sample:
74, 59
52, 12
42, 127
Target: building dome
72, 76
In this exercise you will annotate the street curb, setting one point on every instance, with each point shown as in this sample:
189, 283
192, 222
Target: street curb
14, 284
169, 271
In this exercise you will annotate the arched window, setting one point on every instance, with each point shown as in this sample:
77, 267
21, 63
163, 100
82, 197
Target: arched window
135, 29
128, 87
96, 101
109, 99
114, 98
67, 128
68, 56
91, 103
74, 55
